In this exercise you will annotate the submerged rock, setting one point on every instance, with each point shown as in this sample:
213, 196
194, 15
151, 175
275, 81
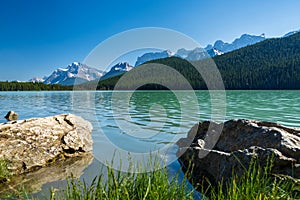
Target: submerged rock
239, 142
33, 143
11, 115
59, 171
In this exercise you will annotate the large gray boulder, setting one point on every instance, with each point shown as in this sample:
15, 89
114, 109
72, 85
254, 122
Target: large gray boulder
33, 143
238, 142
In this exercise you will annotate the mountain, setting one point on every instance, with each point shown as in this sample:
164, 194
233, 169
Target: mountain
152, 56
117, 69
291, 33
270, 64
75, 73
37, 79
195, 54
198, 53
244, 40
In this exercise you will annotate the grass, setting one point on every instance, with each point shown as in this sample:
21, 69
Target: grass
256, 184
114, 184
4, 172
127, 186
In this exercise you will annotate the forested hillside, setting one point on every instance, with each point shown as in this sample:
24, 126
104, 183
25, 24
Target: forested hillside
271, 64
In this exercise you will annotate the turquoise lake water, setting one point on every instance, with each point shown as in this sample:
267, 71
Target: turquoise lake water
146, 121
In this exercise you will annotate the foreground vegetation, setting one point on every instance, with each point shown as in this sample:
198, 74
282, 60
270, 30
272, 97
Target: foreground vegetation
4, 173
257, 184
152, 185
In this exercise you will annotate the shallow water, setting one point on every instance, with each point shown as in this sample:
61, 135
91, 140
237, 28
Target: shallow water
147, 121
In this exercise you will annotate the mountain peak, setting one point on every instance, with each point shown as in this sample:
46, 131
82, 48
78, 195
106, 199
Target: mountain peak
291, 33
80, 72
38, 79
153, 56
244, 40
117, 69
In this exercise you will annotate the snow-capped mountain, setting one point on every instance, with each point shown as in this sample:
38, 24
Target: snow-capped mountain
38, 79
75, 73
197, 53
118, 69
153, 56
238, 43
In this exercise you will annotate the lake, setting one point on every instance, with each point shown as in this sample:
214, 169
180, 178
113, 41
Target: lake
149, 121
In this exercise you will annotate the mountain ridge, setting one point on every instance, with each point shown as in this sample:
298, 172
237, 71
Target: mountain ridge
199, 53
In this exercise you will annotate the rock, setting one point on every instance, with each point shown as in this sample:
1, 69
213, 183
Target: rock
58, 171
239, 142
11, 116
34, 143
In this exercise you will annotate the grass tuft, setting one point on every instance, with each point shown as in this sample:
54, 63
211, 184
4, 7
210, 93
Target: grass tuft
127, 186
4, 172
257, 184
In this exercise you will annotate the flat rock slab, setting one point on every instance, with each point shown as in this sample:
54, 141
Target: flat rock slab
235, 146
33, 143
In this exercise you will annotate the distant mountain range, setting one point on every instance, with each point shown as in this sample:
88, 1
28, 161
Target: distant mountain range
244, 40
268, 65
77, 73
198, 53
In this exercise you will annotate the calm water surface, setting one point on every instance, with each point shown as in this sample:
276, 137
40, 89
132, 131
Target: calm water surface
156, 112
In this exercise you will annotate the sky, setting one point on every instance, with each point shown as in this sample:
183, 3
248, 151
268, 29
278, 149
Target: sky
36, 37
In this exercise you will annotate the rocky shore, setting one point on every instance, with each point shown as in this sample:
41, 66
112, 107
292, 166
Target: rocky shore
239, 142
30, 144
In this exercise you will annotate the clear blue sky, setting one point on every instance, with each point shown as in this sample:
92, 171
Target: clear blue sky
37, 37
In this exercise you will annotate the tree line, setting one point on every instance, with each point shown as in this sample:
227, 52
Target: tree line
28, 86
